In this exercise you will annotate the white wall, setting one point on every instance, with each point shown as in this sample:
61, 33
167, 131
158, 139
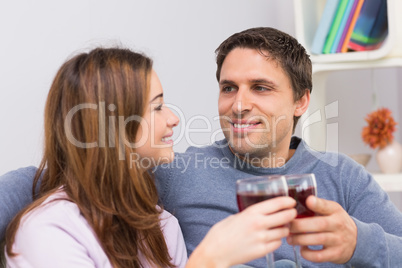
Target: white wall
354, 92
180, 35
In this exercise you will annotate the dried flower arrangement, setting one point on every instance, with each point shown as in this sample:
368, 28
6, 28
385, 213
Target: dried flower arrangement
380, 129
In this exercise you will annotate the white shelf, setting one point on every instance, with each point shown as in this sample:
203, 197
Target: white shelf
307, 18
342, 66
316, 133
389, 182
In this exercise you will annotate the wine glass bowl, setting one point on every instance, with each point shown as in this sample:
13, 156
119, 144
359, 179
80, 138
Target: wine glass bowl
250, 191
300, 187
257, 189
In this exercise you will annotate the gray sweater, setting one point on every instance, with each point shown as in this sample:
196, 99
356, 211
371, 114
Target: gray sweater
199, 189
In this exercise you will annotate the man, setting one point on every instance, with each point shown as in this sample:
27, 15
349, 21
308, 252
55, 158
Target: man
264, 80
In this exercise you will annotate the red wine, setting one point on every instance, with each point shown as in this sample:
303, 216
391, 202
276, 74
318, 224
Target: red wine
245, 200
300, 196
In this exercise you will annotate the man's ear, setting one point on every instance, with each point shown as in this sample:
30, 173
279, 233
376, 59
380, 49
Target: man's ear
302, 104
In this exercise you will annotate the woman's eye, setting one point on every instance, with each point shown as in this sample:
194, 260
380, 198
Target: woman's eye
159, 107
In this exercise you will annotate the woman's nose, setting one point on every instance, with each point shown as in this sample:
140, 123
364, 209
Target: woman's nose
172, 120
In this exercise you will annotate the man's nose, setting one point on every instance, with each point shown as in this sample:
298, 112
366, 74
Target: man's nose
242, 102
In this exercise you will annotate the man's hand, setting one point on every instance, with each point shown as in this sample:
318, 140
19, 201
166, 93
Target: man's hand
332, 228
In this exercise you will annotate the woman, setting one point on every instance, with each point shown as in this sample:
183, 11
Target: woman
105, 124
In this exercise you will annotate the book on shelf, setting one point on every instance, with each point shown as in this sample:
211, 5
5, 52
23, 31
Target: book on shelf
351, 25
371, 27
342, 26
347, 25
324, 26
335, 26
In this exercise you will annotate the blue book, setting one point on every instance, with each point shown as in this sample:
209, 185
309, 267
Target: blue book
339, 32
372, 25
324, 26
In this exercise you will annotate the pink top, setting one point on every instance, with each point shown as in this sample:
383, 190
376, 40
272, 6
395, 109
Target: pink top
57, 235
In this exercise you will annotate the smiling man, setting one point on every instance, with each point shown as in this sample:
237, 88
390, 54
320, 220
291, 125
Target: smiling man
265, 81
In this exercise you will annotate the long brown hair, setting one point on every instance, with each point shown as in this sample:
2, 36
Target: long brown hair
86, 158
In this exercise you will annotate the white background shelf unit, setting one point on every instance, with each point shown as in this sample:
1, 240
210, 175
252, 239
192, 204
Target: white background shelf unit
389, 182
317, 132
307, 19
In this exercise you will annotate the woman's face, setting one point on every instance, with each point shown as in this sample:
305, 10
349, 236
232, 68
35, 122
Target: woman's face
154, 136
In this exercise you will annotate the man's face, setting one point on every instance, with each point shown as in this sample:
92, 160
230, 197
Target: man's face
256, 104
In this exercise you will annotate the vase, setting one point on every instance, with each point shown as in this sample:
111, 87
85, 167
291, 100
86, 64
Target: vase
389, 158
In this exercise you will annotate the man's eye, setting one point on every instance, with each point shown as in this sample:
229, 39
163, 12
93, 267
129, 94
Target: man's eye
228, 89
259, 88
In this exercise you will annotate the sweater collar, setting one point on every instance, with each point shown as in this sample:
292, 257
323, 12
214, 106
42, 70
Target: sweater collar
245, 166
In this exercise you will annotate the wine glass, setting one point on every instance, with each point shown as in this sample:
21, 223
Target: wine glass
256, 189
301, 186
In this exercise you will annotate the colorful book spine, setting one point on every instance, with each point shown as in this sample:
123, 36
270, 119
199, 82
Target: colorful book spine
324, 26
347, 26
352, 26
342, 25
334, 27
366, 20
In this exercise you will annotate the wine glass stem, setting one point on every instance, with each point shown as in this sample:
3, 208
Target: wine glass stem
270, 260
296, 251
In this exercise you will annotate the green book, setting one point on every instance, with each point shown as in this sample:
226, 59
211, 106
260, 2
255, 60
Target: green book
335, 26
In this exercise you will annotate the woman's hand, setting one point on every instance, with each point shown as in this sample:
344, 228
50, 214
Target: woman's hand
245, 236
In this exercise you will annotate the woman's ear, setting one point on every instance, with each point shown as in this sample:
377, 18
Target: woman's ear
302, 104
